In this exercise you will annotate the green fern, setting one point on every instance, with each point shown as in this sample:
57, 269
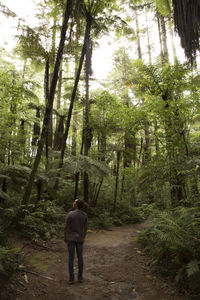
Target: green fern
173, 240
193, 268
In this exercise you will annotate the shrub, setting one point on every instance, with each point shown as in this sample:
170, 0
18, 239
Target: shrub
9, 260
101, 221
173, 241
42, 222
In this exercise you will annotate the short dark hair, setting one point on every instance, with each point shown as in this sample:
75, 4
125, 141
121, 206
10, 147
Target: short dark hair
80, 203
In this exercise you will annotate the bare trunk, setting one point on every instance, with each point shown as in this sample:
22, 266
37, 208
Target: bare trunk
164, 39
59, 120
172, 42
160, 38
87, 33
36, 128
148, 39
138, 36
116, 181
49, 105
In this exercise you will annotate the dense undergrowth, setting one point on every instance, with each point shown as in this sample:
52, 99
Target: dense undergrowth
173, 242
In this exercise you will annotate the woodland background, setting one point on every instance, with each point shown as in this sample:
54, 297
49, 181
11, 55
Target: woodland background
129, 147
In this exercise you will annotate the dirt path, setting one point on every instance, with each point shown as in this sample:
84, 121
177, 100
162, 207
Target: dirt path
115, 269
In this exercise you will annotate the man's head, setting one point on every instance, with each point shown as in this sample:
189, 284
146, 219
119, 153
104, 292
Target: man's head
78, 204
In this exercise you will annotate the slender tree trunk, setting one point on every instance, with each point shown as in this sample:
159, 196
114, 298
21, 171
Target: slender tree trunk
87, 33
77, 175
122, 183
46, 95
59, 119
52, 62
156, 138
49, 105
148, 39
23, 137
160, 37
36, 128
59, 134
140, 154
116, 181
97, 192
172, 42
101, 157
164, 39
147, 149
87, 129
138, 36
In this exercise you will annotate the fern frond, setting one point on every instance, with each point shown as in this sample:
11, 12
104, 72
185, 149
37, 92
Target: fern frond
193, 268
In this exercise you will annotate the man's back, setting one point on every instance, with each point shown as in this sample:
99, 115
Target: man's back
76, 224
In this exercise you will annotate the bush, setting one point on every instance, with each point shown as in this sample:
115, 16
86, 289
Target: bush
128, 214
173, 241
101, 221
42, 222
9, 260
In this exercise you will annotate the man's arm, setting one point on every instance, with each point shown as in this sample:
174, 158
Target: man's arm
65, 233
85, 230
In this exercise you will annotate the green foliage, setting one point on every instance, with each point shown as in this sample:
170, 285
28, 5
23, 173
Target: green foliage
124, 214
173, 240
9, 260
164, 7
102, 220
40, 222
128, 214
30, 44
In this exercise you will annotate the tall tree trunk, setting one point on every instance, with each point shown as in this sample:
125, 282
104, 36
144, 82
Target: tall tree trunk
59, 134
160, 37
101, 157
36, 128
156, 138
49, 105
87, 33
148, 39
59, 120
164, 39
138, 36
49, 142
116, 181
46, 95
87, 129
146, 130
147, 149
172, 43
23, 137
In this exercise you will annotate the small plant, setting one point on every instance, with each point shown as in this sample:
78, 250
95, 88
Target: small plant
9, 261
102, 221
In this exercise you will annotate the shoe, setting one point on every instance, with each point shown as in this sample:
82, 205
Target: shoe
71, 281
80, 279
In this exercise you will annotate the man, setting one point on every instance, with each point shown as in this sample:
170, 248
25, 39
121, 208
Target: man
75, 232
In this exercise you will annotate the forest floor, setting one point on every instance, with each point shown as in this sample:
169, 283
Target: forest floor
115, 268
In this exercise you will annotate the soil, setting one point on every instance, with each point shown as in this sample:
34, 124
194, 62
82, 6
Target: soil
115, 268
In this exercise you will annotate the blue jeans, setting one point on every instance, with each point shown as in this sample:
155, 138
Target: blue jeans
71, 251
